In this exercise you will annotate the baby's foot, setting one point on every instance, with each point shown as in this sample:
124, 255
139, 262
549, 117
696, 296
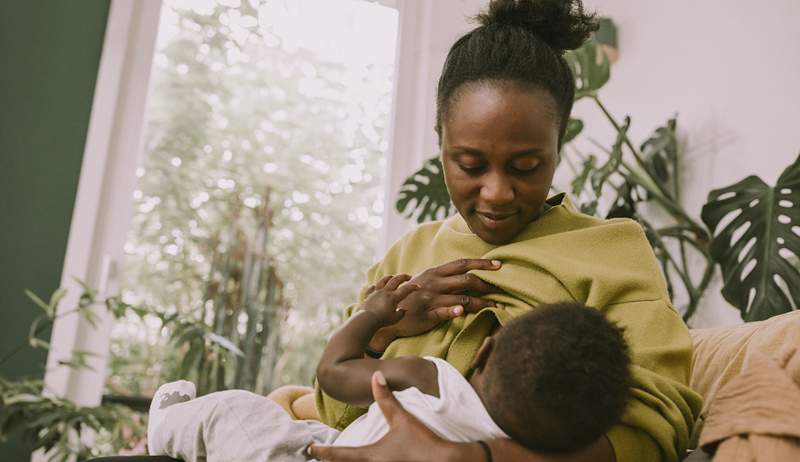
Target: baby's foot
166, 395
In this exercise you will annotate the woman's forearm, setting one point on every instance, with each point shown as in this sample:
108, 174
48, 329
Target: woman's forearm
505, 449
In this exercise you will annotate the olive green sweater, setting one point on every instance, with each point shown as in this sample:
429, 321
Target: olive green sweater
562, 256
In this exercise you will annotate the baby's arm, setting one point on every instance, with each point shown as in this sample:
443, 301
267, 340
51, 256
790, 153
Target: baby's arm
345, 374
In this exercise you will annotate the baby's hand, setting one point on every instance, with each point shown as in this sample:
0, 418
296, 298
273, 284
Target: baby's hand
383, 297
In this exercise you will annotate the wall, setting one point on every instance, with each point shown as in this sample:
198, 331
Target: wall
49, 54
728, 68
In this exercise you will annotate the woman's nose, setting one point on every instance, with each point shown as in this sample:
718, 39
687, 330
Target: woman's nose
496, 190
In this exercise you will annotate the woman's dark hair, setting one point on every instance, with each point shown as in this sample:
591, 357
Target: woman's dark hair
519, 42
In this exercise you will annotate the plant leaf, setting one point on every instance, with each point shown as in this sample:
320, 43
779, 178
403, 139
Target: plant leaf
579, 182
660, 153
224, 343
574, 128
760, 245
55, 299
38, 343
624, 206
39, 302
425, 194
590, 75
599, 176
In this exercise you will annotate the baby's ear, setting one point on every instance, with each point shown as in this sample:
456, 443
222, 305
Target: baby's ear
482, 356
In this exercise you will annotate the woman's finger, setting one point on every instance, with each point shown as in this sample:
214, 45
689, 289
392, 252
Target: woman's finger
461, 283
463, 265
390, 407
339, 453
445, 313
470, 304
395, 281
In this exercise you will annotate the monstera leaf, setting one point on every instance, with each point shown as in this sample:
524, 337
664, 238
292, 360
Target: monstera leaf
574, 128
425, 193
758, 248
660, 154
590, 75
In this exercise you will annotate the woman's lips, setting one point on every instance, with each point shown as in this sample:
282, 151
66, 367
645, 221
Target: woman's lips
495, 220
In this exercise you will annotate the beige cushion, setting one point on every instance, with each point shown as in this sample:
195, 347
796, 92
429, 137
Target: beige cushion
720, 352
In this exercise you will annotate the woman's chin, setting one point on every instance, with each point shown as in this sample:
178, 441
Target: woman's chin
495, 232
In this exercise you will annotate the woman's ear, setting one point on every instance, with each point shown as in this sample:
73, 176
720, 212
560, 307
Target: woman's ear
482, 356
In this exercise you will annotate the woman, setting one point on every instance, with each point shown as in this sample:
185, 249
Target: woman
503, 103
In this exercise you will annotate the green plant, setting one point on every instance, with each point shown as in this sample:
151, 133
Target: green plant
216, 355
59, 426
756, 250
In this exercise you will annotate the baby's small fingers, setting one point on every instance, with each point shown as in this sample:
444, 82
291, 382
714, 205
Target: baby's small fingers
404, 291
369, 291
395, 282
382, 282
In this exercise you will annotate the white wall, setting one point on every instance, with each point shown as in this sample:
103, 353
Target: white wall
427, 30
729, 69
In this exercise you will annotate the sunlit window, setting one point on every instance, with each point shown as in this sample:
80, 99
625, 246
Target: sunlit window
260, 190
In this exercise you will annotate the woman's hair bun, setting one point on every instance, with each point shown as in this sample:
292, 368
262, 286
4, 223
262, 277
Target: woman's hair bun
562, 24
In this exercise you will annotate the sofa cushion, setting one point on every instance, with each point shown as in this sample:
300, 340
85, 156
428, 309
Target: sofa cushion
720, 352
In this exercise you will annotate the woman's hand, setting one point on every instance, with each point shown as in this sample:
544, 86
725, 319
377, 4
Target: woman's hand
408, 439
444, 292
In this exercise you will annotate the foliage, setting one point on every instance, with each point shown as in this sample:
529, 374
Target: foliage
425, 194
758, 248
618, 181
257, 208
57, 425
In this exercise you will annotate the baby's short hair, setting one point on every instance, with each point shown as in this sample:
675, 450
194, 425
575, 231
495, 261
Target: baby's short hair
558, 377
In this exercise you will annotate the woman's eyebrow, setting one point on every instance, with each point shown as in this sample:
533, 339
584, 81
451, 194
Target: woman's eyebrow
478, 152
468, 150
527, 152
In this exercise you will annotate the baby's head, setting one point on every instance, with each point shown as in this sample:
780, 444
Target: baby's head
556, 378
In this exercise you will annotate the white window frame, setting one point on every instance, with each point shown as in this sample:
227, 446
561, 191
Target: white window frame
104, 201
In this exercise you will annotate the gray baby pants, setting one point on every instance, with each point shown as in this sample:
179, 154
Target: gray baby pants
235, 425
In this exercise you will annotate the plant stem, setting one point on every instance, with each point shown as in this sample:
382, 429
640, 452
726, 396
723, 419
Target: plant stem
39, 329
618, 128
661, 194
684, 276
707, 274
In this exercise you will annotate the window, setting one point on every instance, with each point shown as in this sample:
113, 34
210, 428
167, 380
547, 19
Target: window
259, 196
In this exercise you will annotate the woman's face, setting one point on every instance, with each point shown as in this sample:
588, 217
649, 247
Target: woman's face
499, 151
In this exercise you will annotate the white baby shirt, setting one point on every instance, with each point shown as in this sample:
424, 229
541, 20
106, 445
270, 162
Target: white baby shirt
456, 415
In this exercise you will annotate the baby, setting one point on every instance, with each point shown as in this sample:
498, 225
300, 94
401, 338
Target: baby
553, 379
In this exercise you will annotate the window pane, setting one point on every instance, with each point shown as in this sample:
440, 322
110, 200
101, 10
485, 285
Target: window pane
260, 190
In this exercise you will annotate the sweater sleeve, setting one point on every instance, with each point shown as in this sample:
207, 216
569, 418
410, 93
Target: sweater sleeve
662, 408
